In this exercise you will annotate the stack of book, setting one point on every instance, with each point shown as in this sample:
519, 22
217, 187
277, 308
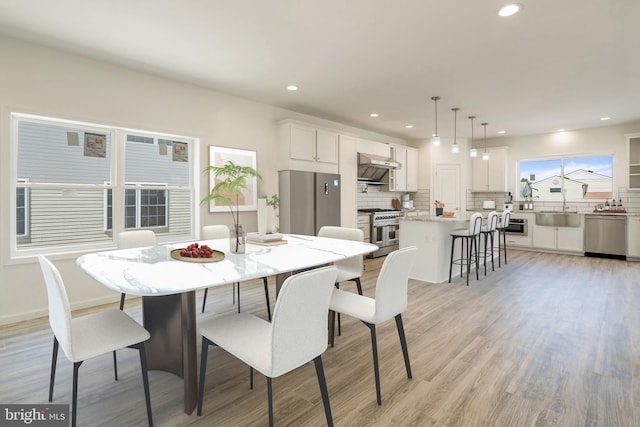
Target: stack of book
271, 239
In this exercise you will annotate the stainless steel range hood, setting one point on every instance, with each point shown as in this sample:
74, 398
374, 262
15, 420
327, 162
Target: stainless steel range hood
374, 169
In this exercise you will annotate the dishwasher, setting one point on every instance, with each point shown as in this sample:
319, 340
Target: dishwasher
605, 235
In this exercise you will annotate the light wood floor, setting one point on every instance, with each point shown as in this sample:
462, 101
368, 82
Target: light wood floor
548, 340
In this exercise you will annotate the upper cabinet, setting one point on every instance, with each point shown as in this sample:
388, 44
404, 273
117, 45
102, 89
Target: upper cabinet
306, 147
490, 175
404, 178
633, 142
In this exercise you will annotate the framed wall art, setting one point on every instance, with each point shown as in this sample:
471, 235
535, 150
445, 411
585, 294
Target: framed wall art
248, 199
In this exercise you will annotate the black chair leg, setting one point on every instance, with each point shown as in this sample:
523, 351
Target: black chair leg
504, 234
145, 380
74, 397
238, 288
115, 366
204, 300
376, 370
251, 377
403, 344
358, 285
453, 244
54, 361
270, 399
339, 323
266, 295
323, 390
476, 244
333, 327
122, 301
469, 249
203, 371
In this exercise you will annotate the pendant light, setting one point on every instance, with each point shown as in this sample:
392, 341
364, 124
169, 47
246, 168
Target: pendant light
435, 140
485, 155
473, 152
455, 149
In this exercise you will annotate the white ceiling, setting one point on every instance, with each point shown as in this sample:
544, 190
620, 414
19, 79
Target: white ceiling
556, 64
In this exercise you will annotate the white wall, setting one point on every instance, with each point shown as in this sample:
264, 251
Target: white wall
47, 82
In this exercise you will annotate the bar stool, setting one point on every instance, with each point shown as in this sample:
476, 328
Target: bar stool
502, 231
470, 237
488, 231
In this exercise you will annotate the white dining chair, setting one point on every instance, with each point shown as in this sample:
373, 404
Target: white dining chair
84, 337
350, 269
389, 302
212, 232
296, 335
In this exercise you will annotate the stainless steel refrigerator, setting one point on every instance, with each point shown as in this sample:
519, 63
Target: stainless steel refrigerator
308, 201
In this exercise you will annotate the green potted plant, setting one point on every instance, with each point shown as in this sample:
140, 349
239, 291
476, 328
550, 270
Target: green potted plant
230, 179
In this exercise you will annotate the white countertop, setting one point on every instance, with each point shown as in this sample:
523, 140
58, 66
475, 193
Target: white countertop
434, 218
152, 271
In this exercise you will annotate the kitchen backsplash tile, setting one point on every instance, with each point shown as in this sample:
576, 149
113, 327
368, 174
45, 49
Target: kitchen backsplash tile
374, 196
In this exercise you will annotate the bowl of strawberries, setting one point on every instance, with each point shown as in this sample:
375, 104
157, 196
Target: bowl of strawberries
195, 252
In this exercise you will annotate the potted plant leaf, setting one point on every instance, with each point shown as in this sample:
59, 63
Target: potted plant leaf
230, 180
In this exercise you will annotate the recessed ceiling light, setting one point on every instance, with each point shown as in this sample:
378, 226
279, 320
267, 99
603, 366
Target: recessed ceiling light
374, 115
560, 130
502, 131
408, 126
510, 9
605, 118
292, 88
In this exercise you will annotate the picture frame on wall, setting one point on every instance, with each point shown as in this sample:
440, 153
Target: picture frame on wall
218, 156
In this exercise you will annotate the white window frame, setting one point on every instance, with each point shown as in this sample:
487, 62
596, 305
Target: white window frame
18, 255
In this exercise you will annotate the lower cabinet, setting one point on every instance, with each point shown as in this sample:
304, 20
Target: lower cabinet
633, 236
558, 238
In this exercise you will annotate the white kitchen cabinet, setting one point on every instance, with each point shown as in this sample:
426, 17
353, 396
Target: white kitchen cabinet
490, 175
373, 147
404, 178
633, 145
307, 147
567, 239
633, 236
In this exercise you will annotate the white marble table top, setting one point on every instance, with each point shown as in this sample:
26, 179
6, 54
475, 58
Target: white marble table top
151, 271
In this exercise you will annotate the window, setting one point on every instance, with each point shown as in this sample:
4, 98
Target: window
572, 179
69, 195
142, 209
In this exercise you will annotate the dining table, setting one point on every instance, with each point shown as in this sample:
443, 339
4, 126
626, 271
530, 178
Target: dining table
168, 287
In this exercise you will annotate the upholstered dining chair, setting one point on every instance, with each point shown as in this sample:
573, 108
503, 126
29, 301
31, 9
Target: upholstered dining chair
212, 232
84, 337
389, 302
296, 335
349, 270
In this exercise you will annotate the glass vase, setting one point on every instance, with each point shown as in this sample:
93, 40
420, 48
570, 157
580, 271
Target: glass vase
237, 240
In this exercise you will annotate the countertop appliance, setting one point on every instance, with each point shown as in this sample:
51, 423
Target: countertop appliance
308, 201
489, 204
605, 235
508, 206
385, 230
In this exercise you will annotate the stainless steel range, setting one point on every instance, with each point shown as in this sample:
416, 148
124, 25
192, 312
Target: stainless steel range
385, 230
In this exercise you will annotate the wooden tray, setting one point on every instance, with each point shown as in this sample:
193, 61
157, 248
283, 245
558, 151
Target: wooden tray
268, 243
215, 257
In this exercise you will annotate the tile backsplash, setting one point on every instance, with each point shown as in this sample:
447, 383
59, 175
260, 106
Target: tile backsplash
376, 196
630, 202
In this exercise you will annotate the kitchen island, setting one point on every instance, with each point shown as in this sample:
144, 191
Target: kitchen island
431, 235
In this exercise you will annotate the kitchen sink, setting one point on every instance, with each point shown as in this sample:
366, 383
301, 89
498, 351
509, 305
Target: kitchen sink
558, 219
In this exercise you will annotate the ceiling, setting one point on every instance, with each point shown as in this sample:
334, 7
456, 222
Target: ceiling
556, 64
